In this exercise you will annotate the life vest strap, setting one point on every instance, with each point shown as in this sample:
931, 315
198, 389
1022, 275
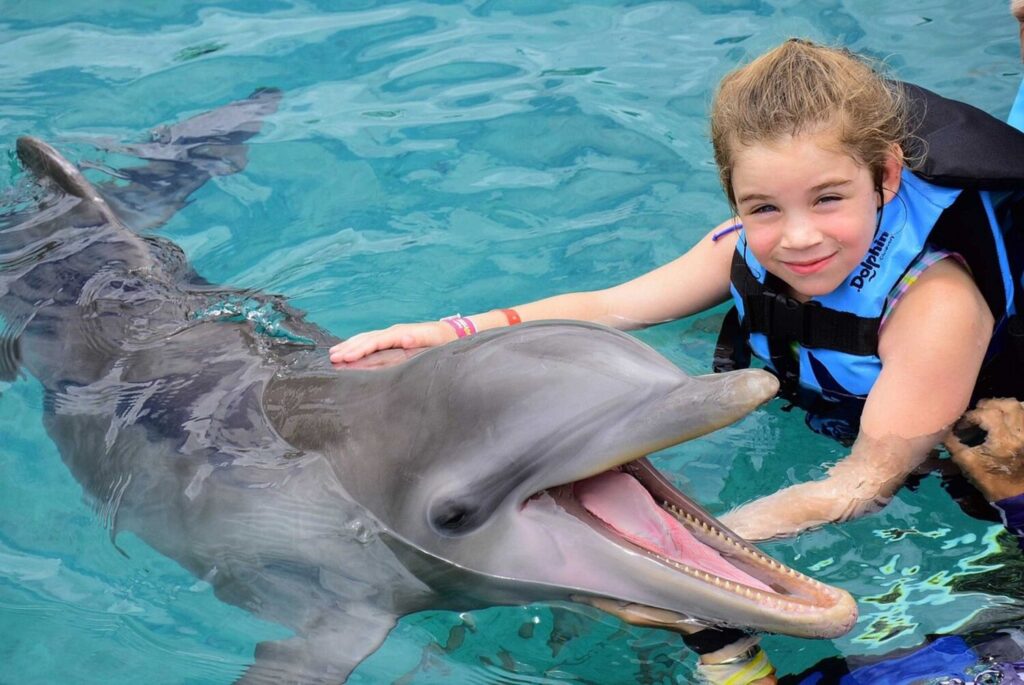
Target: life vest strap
731, 351
781, 318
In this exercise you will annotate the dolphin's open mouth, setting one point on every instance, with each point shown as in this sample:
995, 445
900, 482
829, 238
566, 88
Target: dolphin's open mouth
636, 506
623, 504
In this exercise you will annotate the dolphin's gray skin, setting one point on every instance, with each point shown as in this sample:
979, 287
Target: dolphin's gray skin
334, 502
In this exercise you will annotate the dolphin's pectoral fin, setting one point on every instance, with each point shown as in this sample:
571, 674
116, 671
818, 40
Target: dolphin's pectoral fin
325, 655
182, 157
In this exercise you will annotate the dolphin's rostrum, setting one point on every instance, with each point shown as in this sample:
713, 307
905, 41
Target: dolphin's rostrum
504, 468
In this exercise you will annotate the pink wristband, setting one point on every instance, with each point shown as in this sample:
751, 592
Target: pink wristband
463, 325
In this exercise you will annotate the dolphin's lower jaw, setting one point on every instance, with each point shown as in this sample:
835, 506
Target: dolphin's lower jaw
732, 578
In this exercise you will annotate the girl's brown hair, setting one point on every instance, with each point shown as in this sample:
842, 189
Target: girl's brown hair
801, 87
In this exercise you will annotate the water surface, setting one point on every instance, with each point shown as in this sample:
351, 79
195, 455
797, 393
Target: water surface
439, 157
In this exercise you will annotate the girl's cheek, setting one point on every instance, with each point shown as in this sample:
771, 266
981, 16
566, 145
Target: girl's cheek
857, 230
760, 243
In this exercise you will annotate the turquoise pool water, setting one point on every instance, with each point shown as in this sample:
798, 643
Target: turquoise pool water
434, 157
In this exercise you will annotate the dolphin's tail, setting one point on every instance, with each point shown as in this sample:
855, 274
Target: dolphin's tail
183, 156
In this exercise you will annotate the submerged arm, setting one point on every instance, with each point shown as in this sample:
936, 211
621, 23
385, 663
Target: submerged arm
861, 483
931, 348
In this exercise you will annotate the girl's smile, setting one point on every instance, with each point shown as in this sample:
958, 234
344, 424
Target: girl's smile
806, 268
809, 209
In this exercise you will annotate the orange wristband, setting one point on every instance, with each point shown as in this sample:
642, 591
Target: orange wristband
512, 316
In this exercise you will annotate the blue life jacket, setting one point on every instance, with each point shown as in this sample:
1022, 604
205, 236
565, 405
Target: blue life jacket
825, 351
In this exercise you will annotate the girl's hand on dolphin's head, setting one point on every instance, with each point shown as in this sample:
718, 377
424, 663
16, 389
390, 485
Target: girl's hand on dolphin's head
405, 336
988, 446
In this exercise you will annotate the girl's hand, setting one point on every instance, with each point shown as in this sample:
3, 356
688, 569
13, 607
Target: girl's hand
988, 446
401, 336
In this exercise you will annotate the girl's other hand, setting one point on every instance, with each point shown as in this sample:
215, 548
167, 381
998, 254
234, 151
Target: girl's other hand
401, 336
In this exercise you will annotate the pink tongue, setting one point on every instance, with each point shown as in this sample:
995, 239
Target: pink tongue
621, 502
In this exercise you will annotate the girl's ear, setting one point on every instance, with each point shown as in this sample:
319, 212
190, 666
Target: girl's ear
892, 168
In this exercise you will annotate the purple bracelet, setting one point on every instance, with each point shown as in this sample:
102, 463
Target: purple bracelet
724, 232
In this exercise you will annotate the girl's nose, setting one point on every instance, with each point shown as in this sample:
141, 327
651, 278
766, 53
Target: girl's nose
800, 232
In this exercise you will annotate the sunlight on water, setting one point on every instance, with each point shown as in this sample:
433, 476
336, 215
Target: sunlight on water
435, 157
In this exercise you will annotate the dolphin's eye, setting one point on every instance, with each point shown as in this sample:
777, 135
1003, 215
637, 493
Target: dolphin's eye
453, 518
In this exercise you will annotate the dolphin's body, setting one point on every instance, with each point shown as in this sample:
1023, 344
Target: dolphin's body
334, 502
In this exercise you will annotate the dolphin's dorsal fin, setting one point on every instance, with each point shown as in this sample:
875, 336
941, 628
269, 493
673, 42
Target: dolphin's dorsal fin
45, 162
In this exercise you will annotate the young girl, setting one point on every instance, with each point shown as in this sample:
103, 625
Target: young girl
837, 262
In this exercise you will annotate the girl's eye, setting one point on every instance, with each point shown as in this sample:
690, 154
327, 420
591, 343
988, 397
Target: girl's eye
763, 209
829, 198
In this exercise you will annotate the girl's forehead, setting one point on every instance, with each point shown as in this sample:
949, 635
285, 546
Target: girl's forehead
800, 165
797, 149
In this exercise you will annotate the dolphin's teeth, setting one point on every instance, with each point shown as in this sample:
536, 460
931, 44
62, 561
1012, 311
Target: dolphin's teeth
740, 547
767, 599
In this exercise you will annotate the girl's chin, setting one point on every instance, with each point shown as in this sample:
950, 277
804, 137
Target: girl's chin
805, 288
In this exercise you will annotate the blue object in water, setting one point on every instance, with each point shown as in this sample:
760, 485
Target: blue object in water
947, 656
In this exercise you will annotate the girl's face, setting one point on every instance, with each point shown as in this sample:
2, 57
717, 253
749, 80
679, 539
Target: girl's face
809, 211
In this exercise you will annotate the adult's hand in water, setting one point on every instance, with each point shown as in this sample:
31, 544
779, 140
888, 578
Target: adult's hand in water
404, 336
988, 446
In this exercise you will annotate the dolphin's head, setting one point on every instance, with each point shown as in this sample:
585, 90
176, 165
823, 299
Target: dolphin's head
517, 457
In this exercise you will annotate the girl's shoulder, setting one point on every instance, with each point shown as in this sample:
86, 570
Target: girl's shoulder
925, 262
936, 297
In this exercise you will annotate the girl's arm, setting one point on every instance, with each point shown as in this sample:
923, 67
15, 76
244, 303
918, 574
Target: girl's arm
931, 348
691, 283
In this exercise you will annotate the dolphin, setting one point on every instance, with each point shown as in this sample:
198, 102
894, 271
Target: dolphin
506, 468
